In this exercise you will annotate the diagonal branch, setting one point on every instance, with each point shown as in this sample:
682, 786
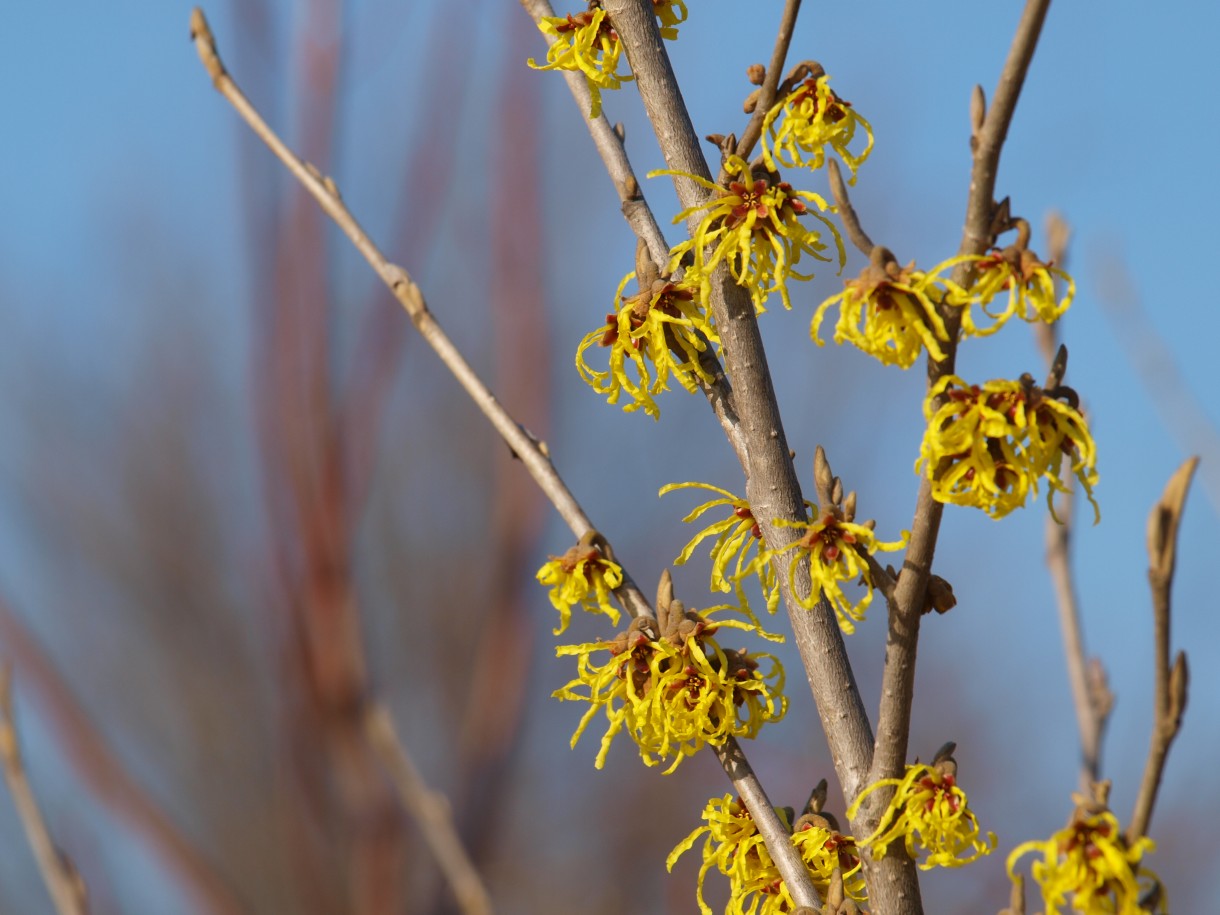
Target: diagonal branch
64, 884
431, 812
898, 677
766, 95
532, 453
772, 488
104, 776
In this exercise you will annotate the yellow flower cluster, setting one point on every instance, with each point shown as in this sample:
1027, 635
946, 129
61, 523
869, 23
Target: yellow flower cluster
581, 576
661, 329
988, 446
929, 812
889, 312
836, 549
673, 691
1089, 867
893, 313
753, 225
734, 848
739, 543
809, 118
587, 44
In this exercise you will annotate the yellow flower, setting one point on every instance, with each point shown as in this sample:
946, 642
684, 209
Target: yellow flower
823, 848
1089, 867
664, 329
989, 446
1029, 282
734, 847
582, 576
753, 225
674, 692
888, 312
670, 14
587, 43
736, 536
929, 813
836, 549
811, 117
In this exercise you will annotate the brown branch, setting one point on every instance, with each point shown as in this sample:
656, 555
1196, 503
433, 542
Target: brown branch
772, 488
96, 766
62, 880
431, 811
531, 452
766, 94
847, 213
898, 677
610, 144
1171, 682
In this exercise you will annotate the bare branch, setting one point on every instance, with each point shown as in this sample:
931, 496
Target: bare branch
64, 884
431, 812
766, 95
1171, 683
898, 678
532, 453
847, 213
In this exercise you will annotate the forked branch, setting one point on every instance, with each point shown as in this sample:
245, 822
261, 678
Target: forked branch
531, 452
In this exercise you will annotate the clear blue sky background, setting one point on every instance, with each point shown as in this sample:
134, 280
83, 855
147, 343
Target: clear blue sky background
112, 132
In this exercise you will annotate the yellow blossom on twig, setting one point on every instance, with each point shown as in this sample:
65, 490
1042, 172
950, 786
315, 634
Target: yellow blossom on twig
674, 689
753, 225
809, 117
888, 312
582, 576
586, 43
739, 543
988, 446
662, 329
1029, 283
836, 549
1089, 867
733, 846
928, 812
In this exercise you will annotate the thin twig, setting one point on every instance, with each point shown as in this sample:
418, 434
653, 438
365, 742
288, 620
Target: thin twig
1171, 682
772, 488
847, 213
775, 69
898, 678
1090, 694
431, 812
523, 445
611, 146
324, 191
63, 883
106, 780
